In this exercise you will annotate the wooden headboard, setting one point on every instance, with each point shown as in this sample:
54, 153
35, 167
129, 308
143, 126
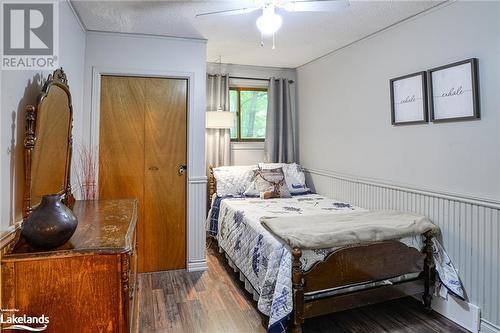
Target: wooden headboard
211, 185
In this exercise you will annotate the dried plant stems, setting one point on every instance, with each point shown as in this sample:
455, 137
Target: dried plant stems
87, 173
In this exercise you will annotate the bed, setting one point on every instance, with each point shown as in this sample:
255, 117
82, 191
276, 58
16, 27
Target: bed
293, 284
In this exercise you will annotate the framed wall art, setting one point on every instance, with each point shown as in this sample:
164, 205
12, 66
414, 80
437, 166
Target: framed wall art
409, 99
454, 91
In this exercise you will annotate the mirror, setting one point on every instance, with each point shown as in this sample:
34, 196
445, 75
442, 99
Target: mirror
48, 143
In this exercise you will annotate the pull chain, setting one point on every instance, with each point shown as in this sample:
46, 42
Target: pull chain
262, 40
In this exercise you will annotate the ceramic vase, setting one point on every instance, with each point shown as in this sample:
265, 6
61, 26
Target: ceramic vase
50, 225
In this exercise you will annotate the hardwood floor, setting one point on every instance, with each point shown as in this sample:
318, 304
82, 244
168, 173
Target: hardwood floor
215, 301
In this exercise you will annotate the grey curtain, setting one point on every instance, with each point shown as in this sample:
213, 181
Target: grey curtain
280, 134
218, 141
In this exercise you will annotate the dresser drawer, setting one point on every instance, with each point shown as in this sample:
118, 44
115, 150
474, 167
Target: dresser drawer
78, 293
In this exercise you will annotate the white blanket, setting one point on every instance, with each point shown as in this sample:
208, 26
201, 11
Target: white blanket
335, 230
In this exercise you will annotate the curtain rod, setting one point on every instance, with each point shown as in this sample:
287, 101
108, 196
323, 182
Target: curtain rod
253, 78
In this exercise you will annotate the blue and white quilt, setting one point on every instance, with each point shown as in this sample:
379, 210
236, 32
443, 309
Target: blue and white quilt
265, 260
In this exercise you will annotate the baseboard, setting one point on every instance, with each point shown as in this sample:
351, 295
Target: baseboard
487, 327
465, 314
195, 266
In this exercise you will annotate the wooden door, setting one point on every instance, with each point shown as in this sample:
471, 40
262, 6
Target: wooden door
165, 189
143, 128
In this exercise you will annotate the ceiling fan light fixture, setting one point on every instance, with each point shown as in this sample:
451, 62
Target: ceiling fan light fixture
269, 22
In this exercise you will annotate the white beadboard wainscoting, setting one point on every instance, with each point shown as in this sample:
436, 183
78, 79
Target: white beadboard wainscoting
196, 211
470, 229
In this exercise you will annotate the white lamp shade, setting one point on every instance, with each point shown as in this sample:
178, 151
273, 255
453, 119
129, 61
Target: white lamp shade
219, 119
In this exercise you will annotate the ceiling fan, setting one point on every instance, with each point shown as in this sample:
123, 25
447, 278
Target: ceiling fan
270, 21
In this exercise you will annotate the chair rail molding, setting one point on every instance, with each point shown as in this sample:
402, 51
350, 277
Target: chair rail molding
462, 197
470, 228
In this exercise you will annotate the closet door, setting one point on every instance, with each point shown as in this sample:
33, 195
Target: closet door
121, 139
164, 228
142, 144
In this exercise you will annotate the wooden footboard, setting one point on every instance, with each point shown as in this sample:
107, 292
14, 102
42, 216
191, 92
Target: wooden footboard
361, 264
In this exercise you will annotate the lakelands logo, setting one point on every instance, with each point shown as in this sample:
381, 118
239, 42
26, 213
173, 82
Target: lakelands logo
30, 35
24, 322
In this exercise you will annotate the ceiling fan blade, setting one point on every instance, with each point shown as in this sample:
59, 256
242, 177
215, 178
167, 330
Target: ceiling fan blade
315, 5
228, 12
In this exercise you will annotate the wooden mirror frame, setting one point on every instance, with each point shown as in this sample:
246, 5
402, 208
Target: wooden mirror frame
59, 79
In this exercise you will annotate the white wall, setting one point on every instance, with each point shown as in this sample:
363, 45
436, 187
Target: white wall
147, 55
21, 88
344, 109
246, 153
346, 137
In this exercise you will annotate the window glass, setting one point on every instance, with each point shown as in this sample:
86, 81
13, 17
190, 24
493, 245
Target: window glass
233, 107
250, 111
253, 109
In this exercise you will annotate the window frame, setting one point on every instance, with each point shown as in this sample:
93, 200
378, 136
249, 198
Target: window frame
238, 114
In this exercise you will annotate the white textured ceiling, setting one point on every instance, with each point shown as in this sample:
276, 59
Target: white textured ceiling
302, 37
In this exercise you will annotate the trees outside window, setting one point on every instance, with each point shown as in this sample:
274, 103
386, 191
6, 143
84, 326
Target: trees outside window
250, 111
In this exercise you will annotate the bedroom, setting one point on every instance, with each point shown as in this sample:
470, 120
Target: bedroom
390, 110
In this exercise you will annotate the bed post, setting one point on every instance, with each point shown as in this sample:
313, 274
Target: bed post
211, 186
429, 271
298, 291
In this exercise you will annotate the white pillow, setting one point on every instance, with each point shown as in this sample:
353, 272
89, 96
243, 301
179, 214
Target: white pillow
233, 180
251, 190
294, 176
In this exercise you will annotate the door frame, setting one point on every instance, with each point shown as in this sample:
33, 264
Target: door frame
191, 181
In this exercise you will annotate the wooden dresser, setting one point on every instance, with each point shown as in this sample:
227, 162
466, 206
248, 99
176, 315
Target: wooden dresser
86, 285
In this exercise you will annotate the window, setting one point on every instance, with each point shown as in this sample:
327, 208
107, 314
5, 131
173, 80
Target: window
250, 108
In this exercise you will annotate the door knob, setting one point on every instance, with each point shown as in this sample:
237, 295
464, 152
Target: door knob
182, 169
